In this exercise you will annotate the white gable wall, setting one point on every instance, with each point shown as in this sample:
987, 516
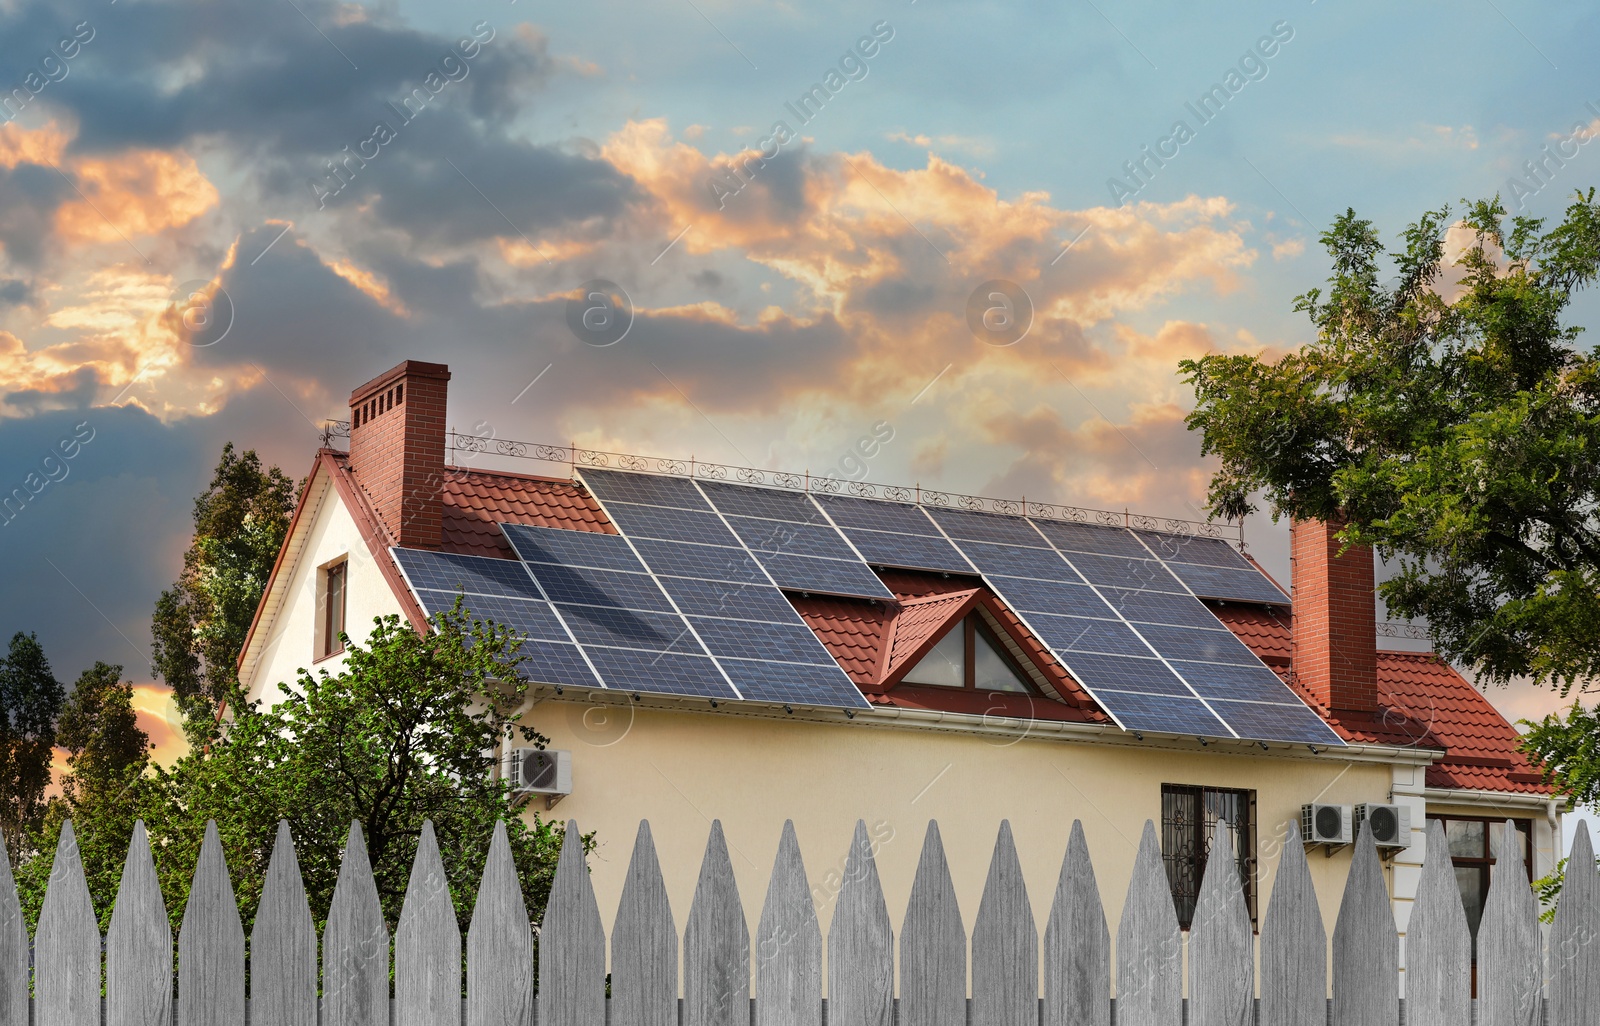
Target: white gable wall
326, 532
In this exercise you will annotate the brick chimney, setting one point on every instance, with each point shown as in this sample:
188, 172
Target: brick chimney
1335, 653
397, 448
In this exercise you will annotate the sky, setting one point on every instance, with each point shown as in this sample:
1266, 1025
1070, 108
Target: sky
217, 217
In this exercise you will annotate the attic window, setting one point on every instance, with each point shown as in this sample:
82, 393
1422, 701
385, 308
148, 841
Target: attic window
968, 656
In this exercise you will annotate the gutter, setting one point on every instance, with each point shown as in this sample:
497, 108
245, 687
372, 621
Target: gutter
1507, 799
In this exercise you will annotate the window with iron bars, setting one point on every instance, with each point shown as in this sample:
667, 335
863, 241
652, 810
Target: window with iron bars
1190, 817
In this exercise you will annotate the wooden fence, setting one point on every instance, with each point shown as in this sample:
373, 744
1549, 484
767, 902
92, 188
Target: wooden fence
1007, 959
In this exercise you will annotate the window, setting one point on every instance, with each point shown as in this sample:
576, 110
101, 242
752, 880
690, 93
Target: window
969, 656
1471, 843
1189, 816
334, 578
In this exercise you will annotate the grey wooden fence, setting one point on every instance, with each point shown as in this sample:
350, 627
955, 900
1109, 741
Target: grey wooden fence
1516, 964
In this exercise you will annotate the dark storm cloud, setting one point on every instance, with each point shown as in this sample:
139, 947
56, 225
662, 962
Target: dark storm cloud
281, 99
17, 292
29, 196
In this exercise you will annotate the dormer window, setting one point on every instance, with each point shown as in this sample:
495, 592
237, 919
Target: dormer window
969, 656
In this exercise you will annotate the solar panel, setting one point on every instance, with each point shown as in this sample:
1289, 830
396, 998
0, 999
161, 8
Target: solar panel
530, 618
965, 525
797, 683
572, 548
1212, 568
549, 662
623, 486
745, 639
1031, 596
1236, 683
826, 576
1158, 607
1109, 541
1019, 561
1212, 646
876, 515
660, 522
708, 562
1084, 634
1272, 722
1186, 548
913, 552
1169, 714
753, 501
1126, 572
626, 669
723, 598
475, 575
573, 585
629, 628
792, 537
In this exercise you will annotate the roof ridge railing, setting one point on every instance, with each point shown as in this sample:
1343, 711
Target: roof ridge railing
577, 458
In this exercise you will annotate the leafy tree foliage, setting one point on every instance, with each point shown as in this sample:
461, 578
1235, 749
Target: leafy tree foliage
405, 730
30, 699
200, 623
1453, 426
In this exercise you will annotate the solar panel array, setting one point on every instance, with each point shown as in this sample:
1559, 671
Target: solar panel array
724, 589
686, 600
1127, 628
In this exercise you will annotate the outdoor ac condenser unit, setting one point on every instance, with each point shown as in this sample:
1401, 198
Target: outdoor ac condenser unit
1391, 824
1326, 824
540, 771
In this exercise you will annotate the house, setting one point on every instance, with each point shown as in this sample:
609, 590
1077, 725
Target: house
710, 648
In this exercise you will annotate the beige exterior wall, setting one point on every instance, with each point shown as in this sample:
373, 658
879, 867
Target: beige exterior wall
326, 532
683, 769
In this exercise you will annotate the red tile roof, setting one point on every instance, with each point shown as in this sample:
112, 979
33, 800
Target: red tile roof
475, 501
1426, 703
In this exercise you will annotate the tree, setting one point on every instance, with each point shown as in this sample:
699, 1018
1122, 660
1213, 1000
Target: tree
200, 623
406, 730
104, 791
30, 700
1454, 428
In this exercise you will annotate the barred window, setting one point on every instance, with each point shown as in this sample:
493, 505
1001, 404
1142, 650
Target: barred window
1190, 815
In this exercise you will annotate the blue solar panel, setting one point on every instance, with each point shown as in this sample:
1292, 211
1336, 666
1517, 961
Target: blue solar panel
703, 528
742, 639
1082, 634
530, 618
1148, 676
1170, 714
1019, 561
580, 586
572, 548
708, 562
673, 673
965, 525
1218, 646
1270, 722
1030, 596
1159, 607
1230, 585
547, 662
475, 575
624, 486
797, 683
825, 576
1186, 548
753, 501
721, 598
914, 552
1237, 683
876, 515
796, 538
627, 628
1109, 541
1126, 572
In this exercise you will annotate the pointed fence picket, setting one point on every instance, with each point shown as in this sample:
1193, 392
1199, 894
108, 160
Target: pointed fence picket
1294, 945
933, 944
1005, 961
860, 943
139, 944
1077, 944
1222, 985
355, 945
283, 944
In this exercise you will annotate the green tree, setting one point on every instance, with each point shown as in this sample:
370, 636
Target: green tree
30, 700
1455, 427
200, 623
104, 790
406, 730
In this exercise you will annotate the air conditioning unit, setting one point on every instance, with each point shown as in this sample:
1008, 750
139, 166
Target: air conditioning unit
540, 771
1391, 824
1326, 824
